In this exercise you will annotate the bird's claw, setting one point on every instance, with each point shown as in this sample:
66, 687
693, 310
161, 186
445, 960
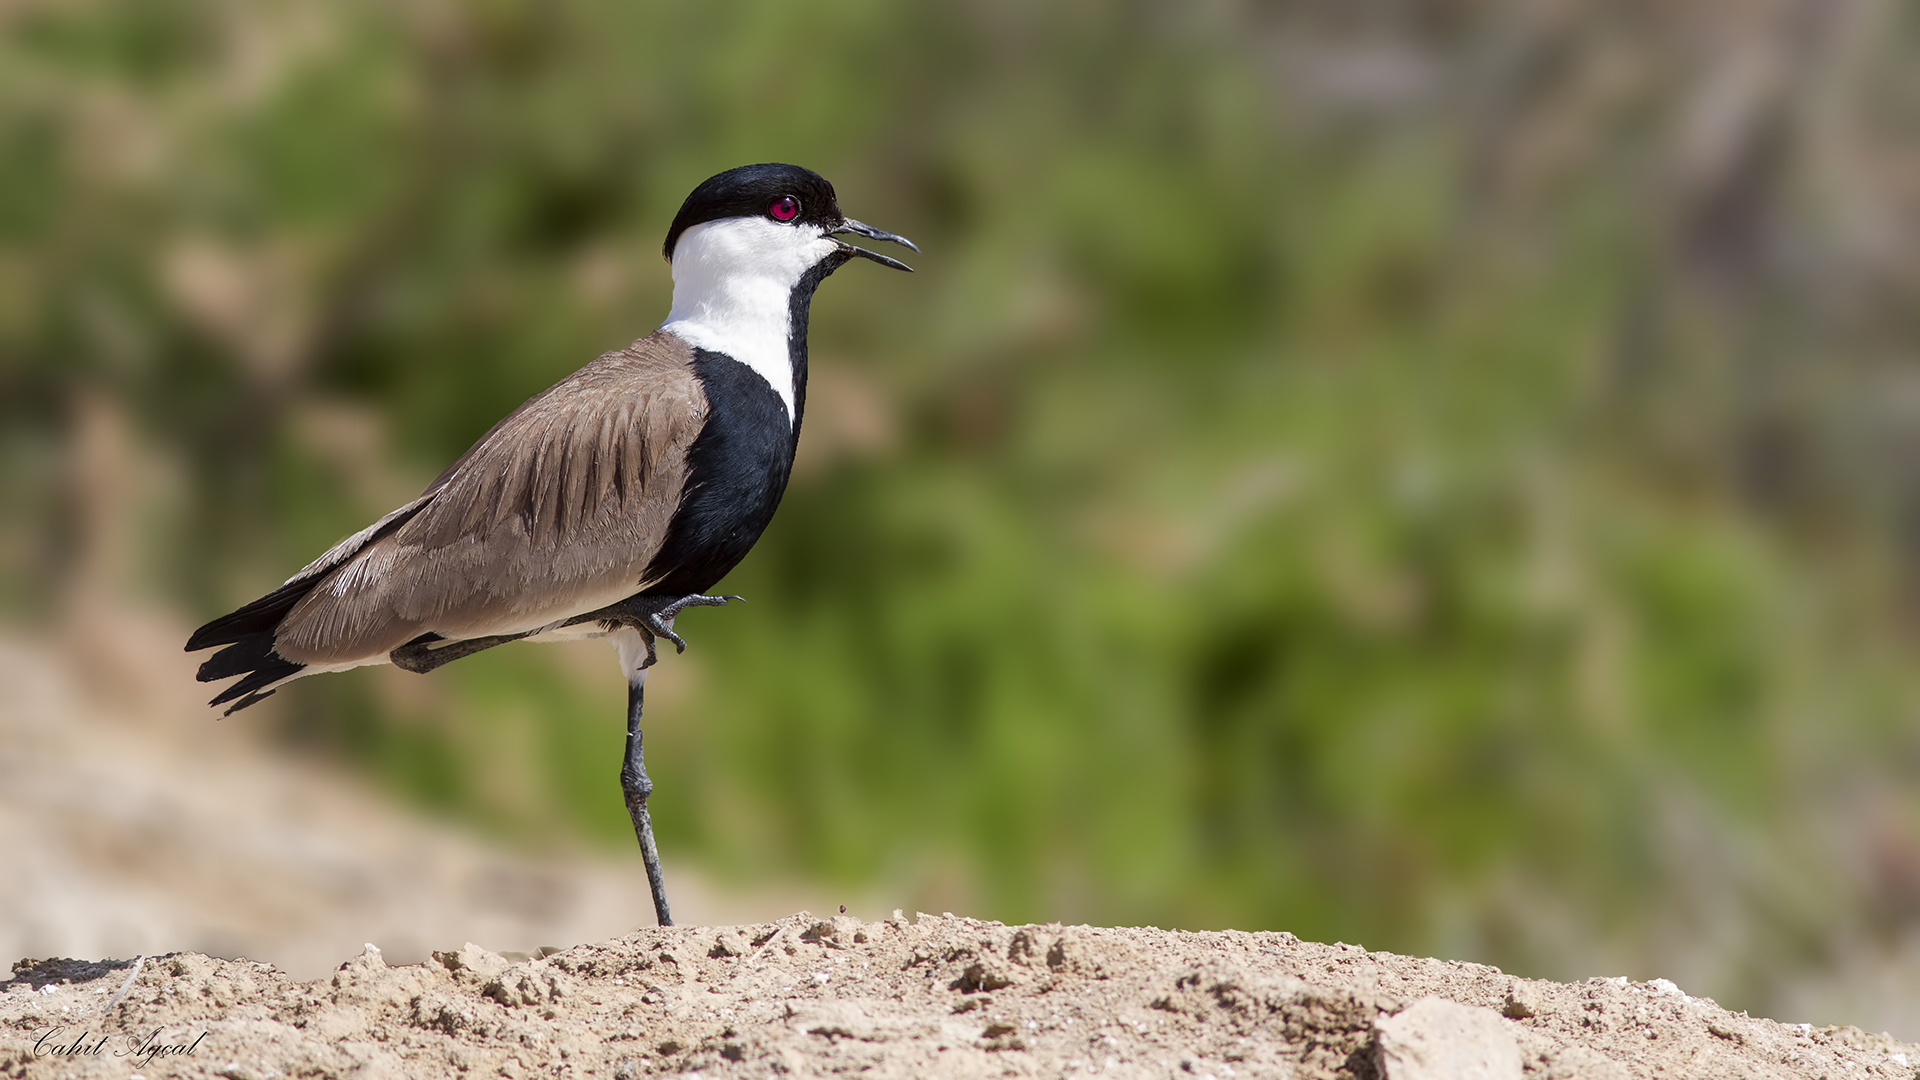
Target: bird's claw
696, 600
660, 623
661, 627
639, 613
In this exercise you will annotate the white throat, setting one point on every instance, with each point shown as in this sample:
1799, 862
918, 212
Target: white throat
733, 283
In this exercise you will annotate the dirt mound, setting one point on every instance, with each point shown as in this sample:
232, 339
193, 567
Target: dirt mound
932, 997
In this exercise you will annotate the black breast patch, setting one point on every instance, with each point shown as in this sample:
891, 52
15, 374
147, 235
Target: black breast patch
740, 464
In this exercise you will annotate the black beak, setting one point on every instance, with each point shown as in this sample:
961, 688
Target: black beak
863, 229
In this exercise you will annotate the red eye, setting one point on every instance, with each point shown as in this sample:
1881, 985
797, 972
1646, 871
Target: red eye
784, 208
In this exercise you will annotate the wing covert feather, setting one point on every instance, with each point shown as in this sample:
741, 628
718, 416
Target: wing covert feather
555, 511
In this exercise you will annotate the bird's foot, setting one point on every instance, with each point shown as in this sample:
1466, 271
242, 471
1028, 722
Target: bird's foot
652, 616
660, 622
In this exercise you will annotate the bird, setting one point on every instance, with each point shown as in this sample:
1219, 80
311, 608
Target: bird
604, 505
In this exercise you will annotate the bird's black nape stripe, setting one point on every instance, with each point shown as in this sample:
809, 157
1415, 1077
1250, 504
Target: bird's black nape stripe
799, 306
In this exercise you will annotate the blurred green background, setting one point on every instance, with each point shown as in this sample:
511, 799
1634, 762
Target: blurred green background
1444, 476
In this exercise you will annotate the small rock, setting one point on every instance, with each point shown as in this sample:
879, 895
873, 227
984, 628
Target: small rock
1027, 948
836, 931
191, 966
985, 973
1437, 1039
368, 960
472, 958
442, 1011
367, 980
1523, 1001
528, 984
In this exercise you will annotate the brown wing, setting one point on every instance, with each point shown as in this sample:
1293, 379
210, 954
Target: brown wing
556, 511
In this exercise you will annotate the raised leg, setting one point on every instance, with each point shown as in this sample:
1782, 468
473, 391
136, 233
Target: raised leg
652, 616
636, 786
425, 652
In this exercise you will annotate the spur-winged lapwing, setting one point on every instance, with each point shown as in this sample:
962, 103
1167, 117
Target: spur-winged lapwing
604, 505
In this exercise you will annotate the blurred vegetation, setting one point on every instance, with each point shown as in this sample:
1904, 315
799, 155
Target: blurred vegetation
1438, 476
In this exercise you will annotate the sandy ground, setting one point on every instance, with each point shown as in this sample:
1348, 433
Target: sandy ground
930, 997
133, 826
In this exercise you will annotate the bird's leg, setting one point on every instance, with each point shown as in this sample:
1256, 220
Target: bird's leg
637, 787
632, 625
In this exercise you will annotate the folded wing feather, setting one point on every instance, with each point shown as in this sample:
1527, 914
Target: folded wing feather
556, 511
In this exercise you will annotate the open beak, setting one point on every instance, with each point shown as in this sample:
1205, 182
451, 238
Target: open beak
863, 229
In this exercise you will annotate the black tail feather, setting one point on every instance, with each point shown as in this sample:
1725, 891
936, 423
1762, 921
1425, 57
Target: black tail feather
248, 633
258, 617
248, 637
246, 701
266, 668
263, 615
238, 658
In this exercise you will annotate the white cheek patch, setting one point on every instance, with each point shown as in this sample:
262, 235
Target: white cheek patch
733, 283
